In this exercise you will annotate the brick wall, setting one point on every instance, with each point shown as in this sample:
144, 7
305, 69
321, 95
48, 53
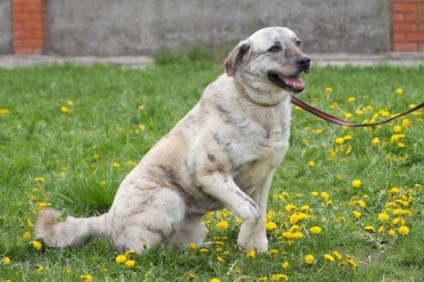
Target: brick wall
29, 25
408, 25
29, 28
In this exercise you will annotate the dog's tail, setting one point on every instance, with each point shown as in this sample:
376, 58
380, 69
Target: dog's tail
71, 232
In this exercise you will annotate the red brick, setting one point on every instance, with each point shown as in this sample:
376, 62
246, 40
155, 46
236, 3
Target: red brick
398, 17
20, 50
405, 47
399, 37
405, 27
33, 24
23, 33
407, 1
415, 37
34, 7
34, 42
21, 16
404, 7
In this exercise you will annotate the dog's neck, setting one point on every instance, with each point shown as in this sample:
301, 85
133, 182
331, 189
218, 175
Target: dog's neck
265, 100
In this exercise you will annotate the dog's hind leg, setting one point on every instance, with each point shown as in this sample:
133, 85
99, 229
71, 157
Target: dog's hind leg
154, 223
192, 230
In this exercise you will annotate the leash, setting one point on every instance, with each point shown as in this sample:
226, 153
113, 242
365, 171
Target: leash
338, 121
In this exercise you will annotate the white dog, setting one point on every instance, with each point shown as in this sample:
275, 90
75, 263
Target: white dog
221, 154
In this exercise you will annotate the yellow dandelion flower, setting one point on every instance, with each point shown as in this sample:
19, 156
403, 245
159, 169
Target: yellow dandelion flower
399, 91
290, 208
116, 165
192, 246
215, 280
398, 221
37, 245
328, 90
304, 208
381, 229
311, 164
130, 263
222, 225
339, 140
333, 106
273, 252
329, 257
316, 230
27, 235
375, 141
351, 99
391, 233
369, 228
29, 222
356, 215
121, 258
103, 183
337, 255
270, 226
403, 230
406, 122
6, 260
4, 112
397, 129
318, 131
362, 204
287, 235
352, 263
191, 276
401, 145
65, 110
394, 190
67, 271
279, 277
383, 216
40, 179
325, 196
314, 194
203, 250
285, 265
297, 235
40, 268
309, 259
356, 183
70, 102
251, 254
86, 278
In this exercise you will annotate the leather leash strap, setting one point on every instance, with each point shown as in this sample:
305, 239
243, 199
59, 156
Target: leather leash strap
338, 121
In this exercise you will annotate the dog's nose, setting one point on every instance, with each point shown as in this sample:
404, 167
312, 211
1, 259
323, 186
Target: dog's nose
304, 63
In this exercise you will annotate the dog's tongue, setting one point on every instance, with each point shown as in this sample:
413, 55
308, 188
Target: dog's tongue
296, 83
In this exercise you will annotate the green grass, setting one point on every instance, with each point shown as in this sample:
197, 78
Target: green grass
66, 160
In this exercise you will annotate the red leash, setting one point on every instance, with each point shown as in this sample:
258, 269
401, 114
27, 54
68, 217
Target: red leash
338, 121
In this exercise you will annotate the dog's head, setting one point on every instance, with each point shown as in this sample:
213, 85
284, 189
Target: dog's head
270, 61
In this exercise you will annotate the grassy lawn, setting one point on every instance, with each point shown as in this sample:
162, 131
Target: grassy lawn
70, 134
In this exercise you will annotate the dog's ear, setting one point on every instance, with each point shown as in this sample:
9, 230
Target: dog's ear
236, 57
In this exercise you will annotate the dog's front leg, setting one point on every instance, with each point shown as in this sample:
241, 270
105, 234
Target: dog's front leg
223, 188
260, 196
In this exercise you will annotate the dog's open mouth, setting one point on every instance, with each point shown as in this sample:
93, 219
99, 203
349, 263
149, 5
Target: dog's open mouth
293, 84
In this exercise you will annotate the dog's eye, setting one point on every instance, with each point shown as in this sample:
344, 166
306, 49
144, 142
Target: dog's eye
274, 49
298, 43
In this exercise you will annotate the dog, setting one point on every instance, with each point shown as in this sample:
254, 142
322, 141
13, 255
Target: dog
222, 154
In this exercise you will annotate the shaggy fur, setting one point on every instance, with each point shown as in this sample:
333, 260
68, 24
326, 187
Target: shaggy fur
221, 154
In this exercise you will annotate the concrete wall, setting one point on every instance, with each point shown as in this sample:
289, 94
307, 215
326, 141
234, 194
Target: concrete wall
6, 33
131, 27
